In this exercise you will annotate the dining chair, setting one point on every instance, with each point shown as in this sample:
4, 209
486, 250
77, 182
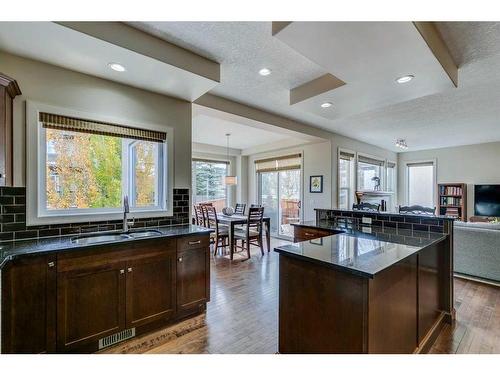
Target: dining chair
255, 205
251, 234
220, 238
240, 209
199, 214
364, 206
417, 210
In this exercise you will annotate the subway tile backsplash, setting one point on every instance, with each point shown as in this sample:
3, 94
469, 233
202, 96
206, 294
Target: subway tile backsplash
13, 217
387, 220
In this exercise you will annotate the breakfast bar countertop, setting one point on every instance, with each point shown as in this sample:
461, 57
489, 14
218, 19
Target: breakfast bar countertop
359, 249
9, 250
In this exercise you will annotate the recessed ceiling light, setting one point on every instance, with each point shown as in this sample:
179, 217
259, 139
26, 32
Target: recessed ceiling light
264, 72
405, 79
326, 105
117, 67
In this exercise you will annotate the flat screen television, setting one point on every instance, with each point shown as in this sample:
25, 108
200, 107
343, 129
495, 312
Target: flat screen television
487, 200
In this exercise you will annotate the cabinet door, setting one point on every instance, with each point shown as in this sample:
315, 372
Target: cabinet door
90, 305
151, 288
193, 279
28, 305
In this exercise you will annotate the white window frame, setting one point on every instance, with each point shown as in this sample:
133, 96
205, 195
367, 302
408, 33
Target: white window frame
386, 187
213, 160
128, 165
374, 157
36, 213
354, 177
408, 163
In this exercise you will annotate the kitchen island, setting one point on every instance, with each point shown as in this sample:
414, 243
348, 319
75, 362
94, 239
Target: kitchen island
354, 288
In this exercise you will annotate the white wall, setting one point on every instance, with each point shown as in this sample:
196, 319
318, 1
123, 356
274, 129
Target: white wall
60, 87
473, 164
316, 160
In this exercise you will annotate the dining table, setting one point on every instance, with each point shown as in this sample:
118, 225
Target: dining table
234, 220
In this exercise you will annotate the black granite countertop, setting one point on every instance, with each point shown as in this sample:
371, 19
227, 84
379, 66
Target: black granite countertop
361, 250
11, 249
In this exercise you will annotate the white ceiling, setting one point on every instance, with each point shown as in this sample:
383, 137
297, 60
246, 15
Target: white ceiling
210, 127
65, 47
466, 115
368, 57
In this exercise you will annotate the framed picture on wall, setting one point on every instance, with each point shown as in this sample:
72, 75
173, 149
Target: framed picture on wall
316, 184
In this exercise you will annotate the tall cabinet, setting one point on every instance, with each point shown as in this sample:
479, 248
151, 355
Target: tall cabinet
9, 89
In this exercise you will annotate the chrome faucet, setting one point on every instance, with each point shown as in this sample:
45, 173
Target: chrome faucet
126, 210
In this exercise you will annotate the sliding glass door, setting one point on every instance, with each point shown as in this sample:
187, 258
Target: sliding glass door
279, 194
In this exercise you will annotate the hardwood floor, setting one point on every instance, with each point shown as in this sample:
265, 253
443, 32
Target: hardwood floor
242, 315
477, 327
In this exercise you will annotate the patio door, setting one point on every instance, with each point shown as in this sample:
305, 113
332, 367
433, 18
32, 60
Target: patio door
280, 194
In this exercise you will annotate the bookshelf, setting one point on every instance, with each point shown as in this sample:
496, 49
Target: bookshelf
453, 200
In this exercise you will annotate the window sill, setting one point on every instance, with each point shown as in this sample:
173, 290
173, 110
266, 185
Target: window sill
95, 217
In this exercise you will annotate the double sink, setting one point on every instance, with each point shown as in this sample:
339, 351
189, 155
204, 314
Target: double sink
113, 237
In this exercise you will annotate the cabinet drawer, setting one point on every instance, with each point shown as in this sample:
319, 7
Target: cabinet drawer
306, 233
107, 254
193, 242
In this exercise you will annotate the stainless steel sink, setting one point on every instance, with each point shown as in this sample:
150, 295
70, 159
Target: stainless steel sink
99, 238
145, 233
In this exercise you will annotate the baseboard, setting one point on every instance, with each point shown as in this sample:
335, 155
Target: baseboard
432, 335
477, 279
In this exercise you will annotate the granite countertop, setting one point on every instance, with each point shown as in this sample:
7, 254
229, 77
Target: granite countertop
11, 249
359, 249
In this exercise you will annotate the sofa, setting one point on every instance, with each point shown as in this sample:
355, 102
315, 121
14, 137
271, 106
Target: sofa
477, 250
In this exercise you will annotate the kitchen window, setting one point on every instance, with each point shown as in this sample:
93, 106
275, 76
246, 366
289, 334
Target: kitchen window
86, 167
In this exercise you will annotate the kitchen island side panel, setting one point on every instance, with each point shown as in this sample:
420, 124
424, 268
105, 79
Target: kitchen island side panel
313, 300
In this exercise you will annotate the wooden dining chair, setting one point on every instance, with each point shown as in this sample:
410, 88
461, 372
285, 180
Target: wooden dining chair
199, 214
251, 234
220, 236
240, 209
255, 205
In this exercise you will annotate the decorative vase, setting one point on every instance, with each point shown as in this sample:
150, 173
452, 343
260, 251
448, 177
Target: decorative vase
359, 195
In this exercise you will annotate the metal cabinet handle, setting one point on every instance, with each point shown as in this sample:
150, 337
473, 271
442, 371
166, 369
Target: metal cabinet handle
194, 242
179, 260
129, 269
122, 272
51, 264
309, 234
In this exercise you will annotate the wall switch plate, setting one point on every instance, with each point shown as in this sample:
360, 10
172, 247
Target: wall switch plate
366, 220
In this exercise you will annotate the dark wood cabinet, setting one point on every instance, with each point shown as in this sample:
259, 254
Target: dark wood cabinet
301, 233
90, 304
151, 288
9, 89
68, 301
29, 305
193, 279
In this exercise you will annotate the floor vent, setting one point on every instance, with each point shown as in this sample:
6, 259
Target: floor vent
117, 337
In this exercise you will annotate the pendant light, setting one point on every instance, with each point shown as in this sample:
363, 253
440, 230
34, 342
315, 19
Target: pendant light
229, 180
